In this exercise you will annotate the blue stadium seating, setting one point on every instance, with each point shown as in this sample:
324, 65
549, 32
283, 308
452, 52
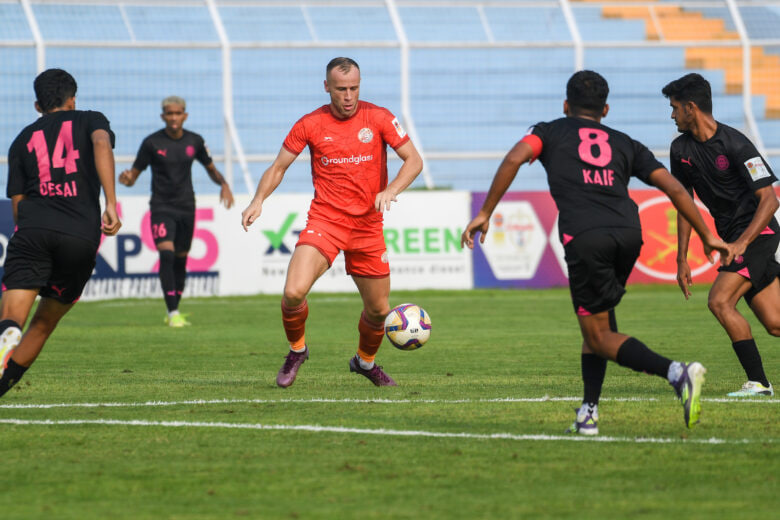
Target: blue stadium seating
462, 99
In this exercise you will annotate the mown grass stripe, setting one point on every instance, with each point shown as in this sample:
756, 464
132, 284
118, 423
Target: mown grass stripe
374, 401
366, 431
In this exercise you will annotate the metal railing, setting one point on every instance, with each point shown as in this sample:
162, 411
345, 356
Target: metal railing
234, 152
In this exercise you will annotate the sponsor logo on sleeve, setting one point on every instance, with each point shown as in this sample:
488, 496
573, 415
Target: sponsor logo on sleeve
399, 128
756, 168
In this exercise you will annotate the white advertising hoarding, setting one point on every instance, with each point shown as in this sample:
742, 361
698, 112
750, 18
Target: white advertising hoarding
422, 233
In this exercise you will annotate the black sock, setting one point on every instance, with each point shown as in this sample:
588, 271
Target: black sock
593, 370
167, 280
637, 356
12, 374
7, 324
747, 352
179, 275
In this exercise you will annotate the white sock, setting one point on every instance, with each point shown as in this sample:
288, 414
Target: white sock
173, 313
365, 365
675, 372
589, 406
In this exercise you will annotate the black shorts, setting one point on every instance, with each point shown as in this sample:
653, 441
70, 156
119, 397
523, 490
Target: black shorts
56, 264
599, 262
758, 264
174, 225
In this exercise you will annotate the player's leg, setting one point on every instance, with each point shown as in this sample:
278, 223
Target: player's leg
766, 307
180, 273
594, 369
686, 378
42, 324
28, 266
16, 305
726, 291
599, 263
375, 293
307, 264
164, 234
366, 261
185, 229
72, 262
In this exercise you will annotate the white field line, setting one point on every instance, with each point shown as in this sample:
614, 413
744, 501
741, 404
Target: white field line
376, 401
365, 431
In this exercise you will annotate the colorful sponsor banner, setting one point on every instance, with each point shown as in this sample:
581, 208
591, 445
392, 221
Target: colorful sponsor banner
422, 234
522, 248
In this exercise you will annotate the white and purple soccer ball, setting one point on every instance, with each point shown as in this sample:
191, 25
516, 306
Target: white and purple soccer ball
408, 326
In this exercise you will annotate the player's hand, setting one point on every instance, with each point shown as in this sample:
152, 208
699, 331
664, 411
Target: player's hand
226, 196
383, 200
727, 251
127, 178
111, 223
251, 213
479, 224
684, 279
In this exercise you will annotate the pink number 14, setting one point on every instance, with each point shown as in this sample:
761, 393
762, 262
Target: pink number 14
64, 154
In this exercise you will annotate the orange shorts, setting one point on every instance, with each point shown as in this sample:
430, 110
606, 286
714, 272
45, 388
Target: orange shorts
364, 247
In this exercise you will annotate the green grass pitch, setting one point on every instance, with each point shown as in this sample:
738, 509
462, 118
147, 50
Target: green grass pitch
190, 424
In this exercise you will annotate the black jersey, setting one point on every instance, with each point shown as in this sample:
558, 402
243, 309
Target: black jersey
171, 161
52, 163
588, 167
724, 171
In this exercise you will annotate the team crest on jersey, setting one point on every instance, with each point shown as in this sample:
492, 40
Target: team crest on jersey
757, 168
398, 128
190, 151
365, 135
722, 162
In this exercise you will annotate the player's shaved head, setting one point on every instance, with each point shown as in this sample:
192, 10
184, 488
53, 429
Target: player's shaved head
174, 100
586, 92
53, 88
341, 63
691, 87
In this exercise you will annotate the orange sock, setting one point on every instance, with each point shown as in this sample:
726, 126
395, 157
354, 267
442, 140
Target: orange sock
371, 334
294, 321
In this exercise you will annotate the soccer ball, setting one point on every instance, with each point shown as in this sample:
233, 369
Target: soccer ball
408, 326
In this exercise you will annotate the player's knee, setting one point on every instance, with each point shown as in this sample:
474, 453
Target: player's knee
376, 314
293, 296
773, 328
717, 306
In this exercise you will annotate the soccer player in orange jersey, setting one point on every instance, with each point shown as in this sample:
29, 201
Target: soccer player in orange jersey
348, 142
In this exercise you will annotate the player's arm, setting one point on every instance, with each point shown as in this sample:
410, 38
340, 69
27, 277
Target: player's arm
664, 181
410, 169
520, 154
129, 176
225, 195
684, 279
767, 206
271, 178
15, 200
104, 164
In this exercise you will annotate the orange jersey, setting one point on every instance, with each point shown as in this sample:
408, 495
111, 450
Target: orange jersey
348, 158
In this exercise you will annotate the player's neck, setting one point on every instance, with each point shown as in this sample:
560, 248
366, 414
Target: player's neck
704, 128
174, 134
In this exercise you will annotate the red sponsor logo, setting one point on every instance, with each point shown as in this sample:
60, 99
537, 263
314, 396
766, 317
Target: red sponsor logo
658, 259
